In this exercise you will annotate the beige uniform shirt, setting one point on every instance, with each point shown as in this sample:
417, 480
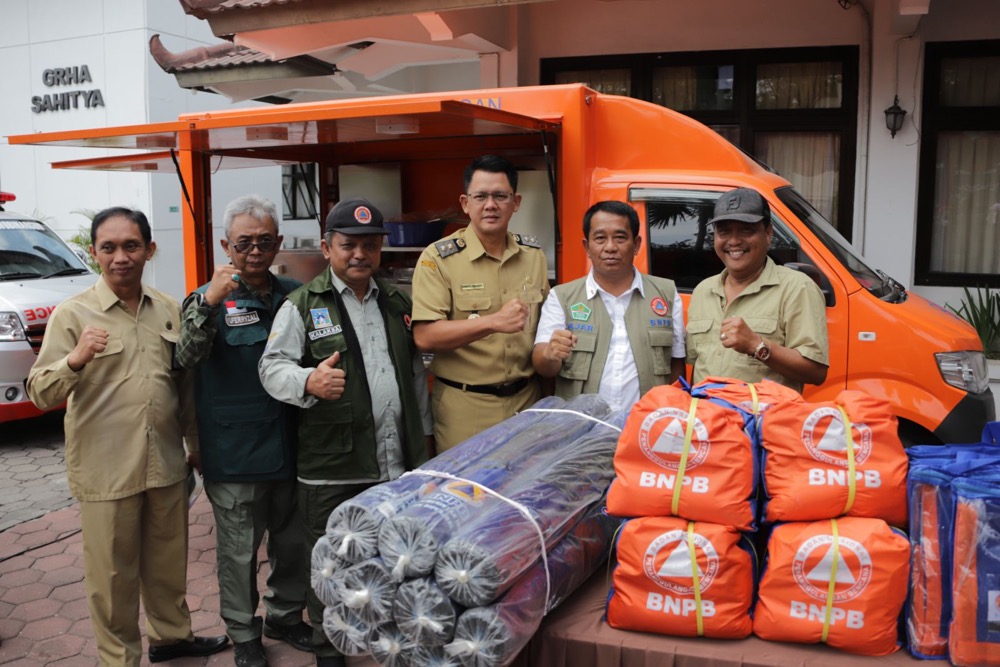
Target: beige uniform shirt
470, 283
128, 410
782, 305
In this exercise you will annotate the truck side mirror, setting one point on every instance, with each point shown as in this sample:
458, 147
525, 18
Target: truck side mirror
818, 278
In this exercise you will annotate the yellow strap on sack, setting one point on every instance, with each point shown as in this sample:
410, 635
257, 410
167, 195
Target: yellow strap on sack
835, 550
681, 469
696, 582
753, 397
852, 483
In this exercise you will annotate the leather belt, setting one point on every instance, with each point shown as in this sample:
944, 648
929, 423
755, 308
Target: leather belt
501, 390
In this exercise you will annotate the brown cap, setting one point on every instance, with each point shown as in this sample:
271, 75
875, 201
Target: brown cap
355, 216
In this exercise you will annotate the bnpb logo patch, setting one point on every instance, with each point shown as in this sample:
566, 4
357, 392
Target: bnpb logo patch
813, 564
659, 306
667, 562
825, 437
661, 438
363, 215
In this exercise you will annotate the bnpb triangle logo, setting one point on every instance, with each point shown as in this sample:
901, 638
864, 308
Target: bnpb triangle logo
662, 436
667, 562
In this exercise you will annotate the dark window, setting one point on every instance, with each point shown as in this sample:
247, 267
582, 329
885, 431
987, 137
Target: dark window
298, 190
958, 205
793, 109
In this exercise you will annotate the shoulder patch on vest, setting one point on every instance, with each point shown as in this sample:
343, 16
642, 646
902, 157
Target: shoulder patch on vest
448, 247
529, 240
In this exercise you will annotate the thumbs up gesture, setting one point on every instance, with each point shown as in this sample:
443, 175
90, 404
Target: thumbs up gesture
327, 381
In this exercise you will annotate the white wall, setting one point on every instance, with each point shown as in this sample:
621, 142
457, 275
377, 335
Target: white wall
111, 37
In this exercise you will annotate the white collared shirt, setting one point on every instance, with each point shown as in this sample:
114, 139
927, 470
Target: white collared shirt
620, 378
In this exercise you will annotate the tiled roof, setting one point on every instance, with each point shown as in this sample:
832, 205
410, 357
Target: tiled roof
203, 8
204, 57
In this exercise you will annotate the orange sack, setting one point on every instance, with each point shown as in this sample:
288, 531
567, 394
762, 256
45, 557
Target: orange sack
706, 447
654, 587
868, 565
754, 398
808, 467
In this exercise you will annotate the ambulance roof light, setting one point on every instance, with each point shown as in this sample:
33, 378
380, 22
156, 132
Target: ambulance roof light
6, 197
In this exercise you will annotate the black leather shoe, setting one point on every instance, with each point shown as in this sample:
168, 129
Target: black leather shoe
298, 635
197, 647
330, 661
249, 654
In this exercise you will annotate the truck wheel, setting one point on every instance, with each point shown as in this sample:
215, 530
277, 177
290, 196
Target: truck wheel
915, 434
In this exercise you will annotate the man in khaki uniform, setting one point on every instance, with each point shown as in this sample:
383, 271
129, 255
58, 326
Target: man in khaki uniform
755, 320
476, 299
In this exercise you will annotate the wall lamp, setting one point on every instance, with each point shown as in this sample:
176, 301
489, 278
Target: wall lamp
894, 116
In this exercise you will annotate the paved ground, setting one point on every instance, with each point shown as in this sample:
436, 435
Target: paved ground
43, 611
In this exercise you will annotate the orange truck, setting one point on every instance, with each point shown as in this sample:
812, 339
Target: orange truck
575, 147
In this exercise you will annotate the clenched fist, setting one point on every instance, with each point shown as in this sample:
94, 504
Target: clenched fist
92, 341
560, 345
224, 282
513, 317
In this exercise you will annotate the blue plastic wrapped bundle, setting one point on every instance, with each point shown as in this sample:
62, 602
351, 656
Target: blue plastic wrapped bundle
353, 527
410, 540
493, 636
486, 556
424, 613
390, 647
367, 589
346, 630
324, 565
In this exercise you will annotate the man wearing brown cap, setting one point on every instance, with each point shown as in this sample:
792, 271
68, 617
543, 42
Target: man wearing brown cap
755, 320
341, 349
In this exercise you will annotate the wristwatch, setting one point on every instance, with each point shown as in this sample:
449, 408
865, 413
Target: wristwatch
763, 351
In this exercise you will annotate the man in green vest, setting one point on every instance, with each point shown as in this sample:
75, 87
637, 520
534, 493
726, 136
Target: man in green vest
248, 450
341, 348
615, 332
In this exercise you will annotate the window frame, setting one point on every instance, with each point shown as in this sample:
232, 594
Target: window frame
935, 119
745, 115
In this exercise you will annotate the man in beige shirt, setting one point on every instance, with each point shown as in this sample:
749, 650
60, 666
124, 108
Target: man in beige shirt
108, 352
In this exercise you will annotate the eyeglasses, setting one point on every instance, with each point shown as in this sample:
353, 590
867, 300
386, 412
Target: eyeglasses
244, 247
498, 197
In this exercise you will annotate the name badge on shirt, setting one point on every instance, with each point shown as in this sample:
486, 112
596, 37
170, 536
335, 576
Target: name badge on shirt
325, 331
242, 319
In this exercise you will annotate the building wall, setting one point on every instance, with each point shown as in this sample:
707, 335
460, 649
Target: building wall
111, 37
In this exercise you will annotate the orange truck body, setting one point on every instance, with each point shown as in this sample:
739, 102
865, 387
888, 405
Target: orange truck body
593, 147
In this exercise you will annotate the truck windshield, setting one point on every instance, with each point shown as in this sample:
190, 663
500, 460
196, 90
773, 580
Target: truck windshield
30, 250
876, 282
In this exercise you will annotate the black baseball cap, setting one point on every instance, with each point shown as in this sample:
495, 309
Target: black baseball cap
742, 205
355, 216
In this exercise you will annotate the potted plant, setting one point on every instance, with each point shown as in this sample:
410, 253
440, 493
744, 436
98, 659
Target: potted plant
981, 309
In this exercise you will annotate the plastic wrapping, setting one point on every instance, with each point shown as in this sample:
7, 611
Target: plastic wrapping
324, 565
493, 636
654, 587
434, 656
840, 581
390, 647
485, 557
424, 613
367, 589
807, 466
718, 480
974, 632
409, 542
346, 630
353, 526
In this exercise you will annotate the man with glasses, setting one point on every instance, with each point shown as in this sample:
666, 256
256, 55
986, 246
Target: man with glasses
248, 438
341, 350
476, 299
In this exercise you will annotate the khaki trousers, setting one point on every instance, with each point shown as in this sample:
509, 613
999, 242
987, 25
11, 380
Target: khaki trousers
136, 547
459, 415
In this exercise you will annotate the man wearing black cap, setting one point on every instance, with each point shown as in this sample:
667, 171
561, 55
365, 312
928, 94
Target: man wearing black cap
341, 349
755, 320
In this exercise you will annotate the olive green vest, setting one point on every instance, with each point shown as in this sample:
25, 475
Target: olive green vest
246, 436
337, 438
650, 327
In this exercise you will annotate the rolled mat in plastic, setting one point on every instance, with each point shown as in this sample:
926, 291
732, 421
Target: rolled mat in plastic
353, 526
409, 542
840, 581
346, 630
836, 458
368, 589
484, 557
324, 565
424, 613
670, 435
434, 656
493, 636
677, 577
390, 647
974, 632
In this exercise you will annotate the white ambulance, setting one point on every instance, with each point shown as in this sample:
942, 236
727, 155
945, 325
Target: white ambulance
37, 271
